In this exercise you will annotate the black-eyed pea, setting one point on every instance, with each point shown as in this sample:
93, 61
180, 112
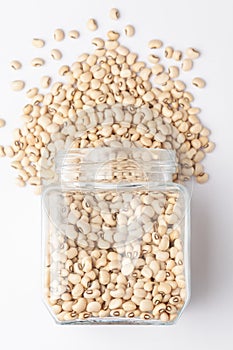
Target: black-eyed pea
158, 309
155, 44
164, 288
180, 280
187, 64
84, 315
160, 276
178, 269
128, 293
93, 307
192, 53
164, 243
177, 55
56, 309
71, 253
77, 290
154, 266
174, 300
129, 30
117, 313
173, 72
59, 34
168, 52
67, 305
104, 313
61, 316
209, 147
118, 293
114, 14
164, 317
115, 304
146, 316
17, 85
73, 34
146, 305
199, 82
140, 293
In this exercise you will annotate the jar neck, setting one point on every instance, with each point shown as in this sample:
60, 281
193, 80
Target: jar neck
114, 165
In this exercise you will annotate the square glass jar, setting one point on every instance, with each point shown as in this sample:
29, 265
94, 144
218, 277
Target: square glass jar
116, 238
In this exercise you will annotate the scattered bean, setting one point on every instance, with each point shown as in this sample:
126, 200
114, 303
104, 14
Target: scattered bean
38, 43
37, 62
129, 30
199, 82
92, 24
192, 53
56, 54
2, 123
114, 14
73, 34
59, 34
15, 65
17, 85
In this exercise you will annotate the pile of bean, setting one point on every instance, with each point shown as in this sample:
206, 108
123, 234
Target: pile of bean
116, 255
110, 75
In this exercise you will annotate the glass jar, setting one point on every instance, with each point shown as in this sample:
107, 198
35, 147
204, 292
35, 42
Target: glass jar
116, 238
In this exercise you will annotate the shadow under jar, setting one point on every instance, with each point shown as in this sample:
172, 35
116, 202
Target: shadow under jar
116, 238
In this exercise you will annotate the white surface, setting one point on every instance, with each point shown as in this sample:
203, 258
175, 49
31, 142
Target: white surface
207, 322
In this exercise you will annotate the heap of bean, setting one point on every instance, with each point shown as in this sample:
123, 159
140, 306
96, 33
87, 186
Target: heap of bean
116, 254
110, 75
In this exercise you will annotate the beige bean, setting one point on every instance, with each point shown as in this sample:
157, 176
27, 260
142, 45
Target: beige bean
169, 52
209, 147
146, 272
32, 92
161, 79
129, 30
129, 306
104, 277
59, 34
15, 64
112, 35
162, 256
187, 64
164, 317
199, 82
92, 24
114, 13
115, 304
37, 62
155, 44
2, 123
38, 43
93, 306
56, 54
164, 287
20, 182
73, 34
17, 85
45, 81
146, 305
80, 306
160, 276
153, 59
157, 69
173, 72
177, 55
164, 243
192, 53
202, 178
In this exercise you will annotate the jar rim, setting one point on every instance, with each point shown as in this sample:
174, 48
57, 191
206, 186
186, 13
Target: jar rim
152, 160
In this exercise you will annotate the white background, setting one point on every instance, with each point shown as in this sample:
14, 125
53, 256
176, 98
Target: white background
208, 321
